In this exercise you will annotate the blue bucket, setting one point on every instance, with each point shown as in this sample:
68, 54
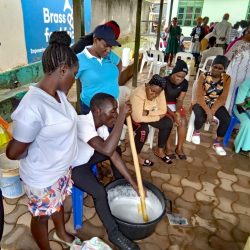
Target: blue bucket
12, 187
10, 183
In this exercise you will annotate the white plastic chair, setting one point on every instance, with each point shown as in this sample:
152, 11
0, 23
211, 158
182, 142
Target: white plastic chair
183, 56
158, 62
151, 135
206, 66
145, 59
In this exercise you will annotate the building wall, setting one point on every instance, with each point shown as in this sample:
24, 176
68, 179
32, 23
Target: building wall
122, 11
215, 9
12, 48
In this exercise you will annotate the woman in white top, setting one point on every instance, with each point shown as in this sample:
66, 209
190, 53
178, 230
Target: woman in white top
45, 140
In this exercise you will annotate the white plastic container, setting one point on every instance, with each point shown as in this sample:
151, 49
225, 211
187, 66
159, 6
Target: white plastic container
10, 183
125, 57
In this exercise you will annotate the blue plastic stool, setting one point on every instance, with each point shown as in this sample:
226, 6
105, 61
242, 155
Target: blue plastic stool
77, 203
234, 120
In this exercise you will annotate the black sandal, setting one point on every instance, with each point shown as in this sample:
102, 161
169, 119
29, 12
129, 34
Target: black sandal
181, 157
165, 158
147, 163
171, 156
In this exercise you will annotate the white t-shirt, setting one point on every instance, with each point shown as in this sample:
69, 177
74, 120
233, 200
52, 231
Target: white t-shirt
51, 127
86, 130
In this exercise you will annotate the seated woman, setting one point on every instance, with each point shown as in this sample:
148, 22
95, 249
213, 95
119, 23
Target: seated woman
242, 141
210, 97
149, 108
175, 92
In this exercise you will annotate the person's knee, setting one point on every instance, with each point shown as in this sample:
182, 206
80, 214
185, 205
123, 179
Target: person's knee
167, 123
39, 219
200, 120
99, 193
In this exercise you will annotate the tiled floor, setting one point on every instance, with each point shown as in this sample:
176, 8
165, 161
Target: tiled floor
212, 192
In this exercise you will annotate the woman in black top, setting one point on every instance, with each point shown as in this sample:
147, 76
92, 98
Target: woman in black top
175, 92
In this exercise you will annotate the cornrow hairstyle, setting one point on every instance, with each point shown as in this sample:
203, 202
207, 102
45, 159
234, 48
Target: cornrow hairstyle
99, 100
158, 81
58, 52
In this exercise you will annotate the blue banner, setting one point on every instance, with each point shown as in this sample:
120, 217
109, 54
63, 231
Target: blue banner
88, 16
41, 18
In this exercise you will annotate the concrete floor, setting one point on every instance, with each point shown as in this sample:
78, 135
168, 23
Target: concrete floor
212, 192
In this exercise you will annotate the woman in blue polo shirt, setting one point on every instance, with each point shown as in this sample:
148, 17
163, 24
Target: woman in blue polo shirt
99, 67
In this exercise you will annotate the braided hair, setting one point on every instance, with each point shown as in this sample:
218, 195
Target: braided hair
58, 52
158, 81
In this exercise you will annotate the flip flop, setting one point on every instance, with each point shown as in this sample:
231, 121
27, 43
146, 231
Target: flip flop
181, 156
171, 156
166, 159
66, 244
147, 163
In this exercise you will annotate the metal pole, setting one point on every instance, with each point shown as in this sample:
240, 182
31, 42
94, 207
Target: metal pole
137, 42
159, 25
79, 31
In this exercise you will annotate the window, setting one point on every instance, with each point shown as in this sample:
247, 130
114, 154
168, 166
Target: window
188, 11
248, 12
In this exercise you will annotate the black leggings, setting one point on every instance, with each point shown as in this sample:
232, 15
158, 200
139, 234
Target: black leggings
1, 216
84, 179
164, 125
221, 113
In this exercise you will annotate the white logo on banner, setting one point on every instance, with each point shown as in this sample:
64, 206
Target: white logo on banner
64, 17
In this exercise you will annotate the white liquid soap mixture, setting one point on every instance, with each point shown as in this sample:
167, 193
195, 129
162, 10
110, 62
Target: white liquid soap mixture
124, 204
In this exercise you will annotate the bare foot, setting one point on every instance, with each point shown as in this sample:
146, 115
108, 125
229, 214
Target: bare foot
160, 152
179, 151
65, 236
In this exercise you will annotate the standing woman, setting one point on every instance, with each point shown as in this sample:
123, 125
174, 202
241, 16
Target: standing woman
210, 97
99, 67
197, 35
173, 45
175, 92
45, 140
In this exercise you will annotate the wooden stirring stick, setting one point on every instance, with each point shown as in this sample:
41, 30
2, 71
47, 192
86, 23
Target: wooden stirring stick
137, 169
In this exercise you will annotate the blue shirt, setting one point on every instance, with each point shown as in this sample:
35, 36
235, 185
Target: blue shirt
98, 75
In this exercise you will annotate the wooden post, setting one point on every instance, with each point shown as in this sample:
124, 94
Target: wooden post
137, 42
159, 26
170, 12
78, 32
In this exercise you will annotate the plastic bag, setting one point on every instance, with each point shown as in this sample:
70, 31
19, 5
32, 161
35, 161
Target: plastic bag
95, 244
5, 136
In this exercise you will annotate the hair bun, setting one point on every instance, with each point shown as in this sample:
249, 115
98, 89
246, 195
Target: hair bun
60, 38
